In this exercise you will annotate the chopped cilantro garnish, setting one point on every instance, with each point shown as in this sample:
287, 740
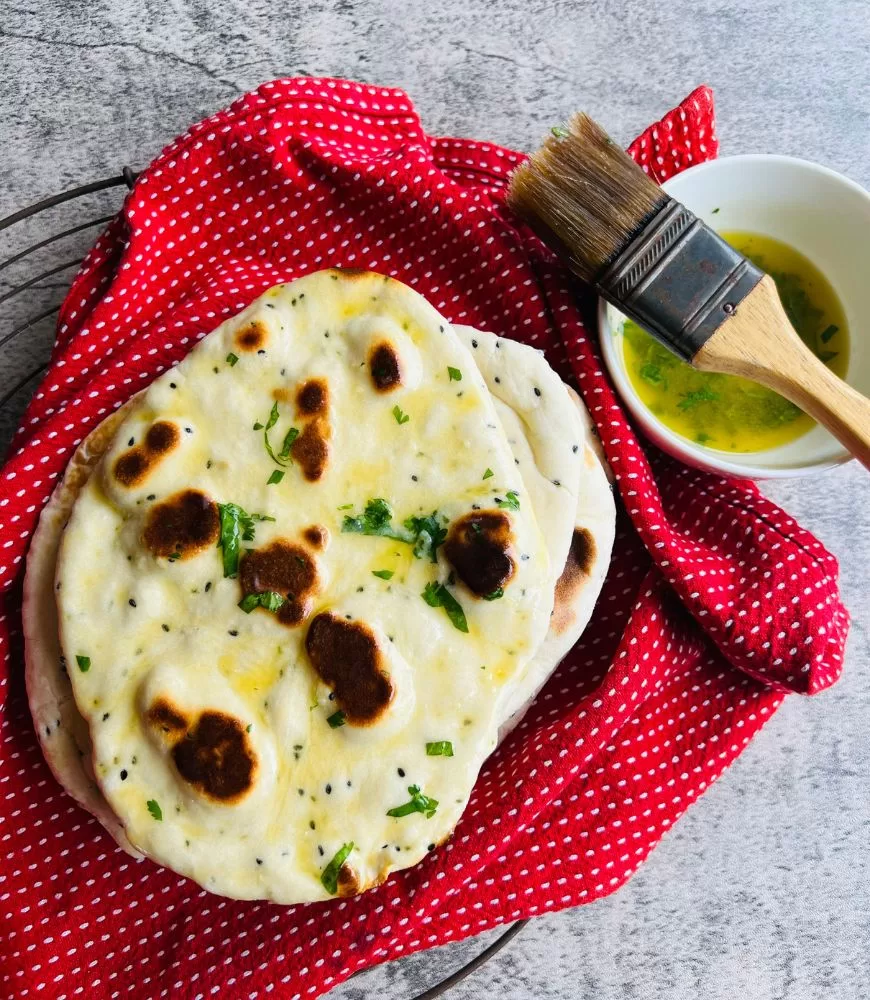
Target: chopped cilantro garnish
329, 875
84, 663
283, 456
429, 534
289, 438
276, 477
232, 359
441, 748
425, 533
401, 417
455, 374
827, 333
436, 595
154, 809
495, 595
376, 519
237, 525
336, 719
384, 574
346, 506
826, 356
267, 599
512, 502
560, 132
488, 474
419, 803
692, 399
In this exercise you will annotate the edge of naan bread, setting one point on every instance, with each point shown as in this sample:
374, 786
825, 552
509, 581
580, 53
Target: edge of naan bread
62, 731
520, 379
582, 578
581, 557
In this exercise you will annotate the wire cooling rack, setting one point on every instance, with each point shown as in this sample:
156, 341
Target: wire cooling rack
62, 227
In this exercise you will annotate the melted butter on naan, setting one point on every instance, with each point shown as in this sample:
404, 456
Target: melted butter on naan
256, 790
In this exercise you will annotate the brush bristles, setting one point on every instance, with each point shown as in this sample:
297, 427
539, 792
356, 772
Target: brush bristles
584, 196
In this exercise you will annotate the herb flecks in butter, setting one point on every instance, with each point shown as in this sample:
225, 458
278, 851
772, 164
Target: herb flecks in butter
329, 876
702, 395
155, 810
384, 574
419, 803
84, 663
440, 748
400, 415
232, 359
336, 720
436, 595
454, 374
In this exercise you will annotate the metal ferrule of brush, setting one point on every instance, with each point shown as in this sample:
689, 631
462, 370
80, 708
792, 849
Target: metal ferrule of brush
678, 279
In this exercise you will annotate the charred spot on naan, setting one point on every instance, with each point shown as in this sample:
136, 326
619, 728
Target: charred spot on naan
480, 549
316, 535
578, 566
167, 720
215, 757
252, 337
384, 366
161, 438
133, 467
351, 273
347, 658
311, 449
348, 881
284, 568
181, 526
312, 397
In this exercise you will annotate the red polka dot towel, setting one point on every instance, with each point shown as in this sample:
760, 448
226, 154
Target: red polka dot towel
715, 605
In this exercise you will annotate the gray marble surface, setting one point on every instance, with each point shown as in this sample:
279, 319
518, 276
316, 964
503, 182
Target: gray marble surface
763, 890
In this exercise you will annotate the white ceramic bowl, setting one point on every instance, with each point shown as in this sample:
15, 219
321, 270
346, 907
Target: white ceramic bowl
820, 213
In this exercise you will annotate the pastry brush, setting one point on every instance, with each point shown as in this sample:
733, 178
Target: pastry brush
668, 271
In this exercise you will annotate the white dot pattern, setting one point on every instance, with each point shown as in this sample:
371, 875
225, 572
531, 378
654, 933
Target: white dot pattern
716, 603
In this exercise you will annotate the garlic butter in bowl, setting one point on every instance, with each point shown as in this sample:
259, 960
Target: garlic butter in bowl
809, 228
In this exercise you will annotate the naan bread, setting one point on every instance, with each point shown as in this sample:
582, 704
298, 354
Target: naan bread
211, 733
512, 375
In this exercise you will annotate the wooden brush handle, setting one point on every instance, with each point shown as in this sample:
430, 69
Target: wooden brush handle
759, 343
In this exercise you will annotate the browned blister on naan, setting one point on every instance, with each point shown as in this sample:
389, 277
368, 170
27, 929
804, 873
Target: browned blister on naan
284, 568
480, 548
578, 566
139, 461
182, 525
348, 659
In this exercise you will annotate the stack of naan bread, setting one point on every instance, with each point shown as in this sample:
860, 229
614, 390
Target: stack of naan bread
288, 599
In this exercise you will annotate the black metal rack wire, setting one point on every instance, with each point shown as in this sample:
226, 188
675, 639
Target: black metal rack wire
14, 398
